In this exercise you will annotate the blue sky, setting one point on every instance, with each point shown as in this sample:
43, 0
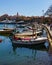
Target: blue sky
24, 7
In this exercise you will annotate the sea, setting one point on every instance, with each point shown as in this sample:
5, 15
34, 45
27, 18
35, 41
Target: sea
14, 55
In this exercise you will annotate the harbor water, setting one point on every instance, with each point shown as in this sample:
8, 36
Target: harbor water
14, 55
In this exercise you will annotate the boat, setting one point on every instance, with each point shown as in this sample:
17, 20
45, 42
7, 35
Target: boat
27, 38
28, 41
26, 30
27, 33
8, 28
3, 31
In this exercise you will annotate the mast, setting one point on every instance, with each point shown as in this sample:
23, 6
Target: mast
34, 30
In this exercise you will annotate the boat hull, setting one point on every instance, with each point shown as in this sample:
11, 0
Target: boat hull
30, 42
5, 32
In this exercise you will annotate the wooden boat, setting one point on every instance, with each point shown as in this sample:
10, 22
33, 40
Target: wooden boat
28, 40
8, 29
28, 33
5, 31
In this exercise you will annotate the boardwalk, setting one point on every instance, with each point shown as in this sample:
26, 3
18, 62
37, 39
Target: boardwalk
48, 27
49, 33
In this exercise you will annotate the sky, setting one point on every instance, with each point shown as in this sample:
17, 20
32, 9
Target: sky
24, 7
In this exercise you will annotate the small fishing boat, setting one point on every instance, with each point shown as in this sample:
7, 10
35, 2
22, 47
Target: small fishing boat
27, 38
29, 41
3, 31
27, 33
8, 29
26, 30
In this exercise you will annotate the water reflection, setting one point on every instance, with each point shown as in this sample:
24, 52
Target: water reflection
34, 54
18, 55
36, 47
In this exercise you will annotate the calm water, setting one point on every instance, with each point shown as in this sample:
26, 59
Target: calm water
13, 55
7, 25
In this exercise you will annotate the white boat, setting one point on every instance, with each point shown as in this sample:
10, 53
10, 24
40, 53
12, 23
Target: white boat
24, 30
27, 33
9, 29
28, 40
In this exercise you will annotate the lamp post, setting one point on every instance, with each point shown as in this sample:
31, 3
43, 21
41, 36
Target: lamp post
43, 15
43, 12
